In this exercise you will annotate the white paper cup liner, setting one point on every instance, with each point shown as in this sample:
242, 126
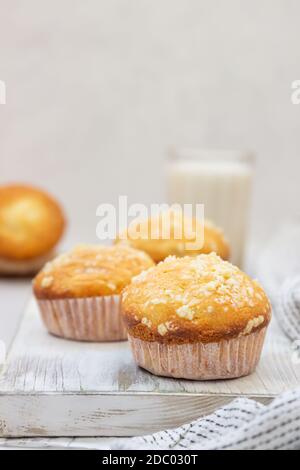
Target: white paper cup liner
84, 319
226, 359
25, 267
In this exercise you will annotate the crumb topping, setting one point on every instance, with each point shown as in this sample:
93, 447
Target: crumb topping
185, 312
203, 277
47, 281
162, 329
90, 270
147, 322
254, 323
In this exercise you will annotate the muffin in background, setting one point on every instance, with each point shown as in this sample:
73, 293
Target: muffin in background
31, 225
148, 235
197, 318
78, 293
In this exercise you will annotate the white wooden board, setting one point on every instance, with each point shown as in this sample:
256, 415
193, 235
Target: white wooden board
56, 387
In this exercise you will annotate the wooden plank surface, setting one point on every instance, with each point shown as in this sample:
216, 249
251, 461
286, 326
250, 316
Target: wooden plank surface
52, 386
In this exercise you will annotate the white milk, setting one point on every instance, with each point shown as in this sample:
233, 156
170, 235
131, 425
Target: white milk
221, 181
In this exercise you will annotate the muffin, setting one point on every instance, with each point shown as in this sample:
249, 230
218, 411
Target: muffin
78, 292
31, 224
197, 318
187, 236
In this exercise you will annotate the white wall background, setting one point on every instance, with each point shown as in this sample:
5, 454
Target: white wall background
97, 89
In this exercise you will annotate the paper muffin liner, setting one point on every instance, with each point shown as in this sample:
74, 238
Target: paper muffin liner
226, 359
84, 319
25, 267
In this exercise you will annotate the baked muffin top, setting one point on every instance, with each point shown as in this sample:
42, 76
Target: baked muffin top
192, 299
31, 222
90, 271
148, 235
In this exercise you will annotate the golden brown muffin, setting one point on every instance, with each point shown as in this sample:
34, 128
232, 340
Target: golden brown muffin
78, 292
90, 271
200, 309
31, 224
148, 235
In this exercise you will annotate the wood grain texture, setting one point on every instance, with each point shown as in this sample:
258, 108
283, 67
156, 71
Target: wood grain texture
56, 387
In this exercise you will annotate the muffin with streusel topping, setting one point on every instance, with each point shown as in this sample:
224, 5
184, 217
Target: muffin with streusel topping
172, 233
198, 318
78, 293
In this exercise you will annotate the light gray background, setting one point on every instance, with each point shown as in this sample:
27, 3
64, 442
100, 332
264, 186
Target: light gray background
98, 89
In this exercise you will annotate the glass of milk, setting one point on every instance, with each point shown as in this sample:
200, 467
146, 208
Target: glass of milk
222, 181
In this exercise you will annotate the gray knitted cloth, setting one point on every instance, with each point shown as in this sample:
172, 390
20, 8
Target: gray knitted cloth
279, 272
243, 424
